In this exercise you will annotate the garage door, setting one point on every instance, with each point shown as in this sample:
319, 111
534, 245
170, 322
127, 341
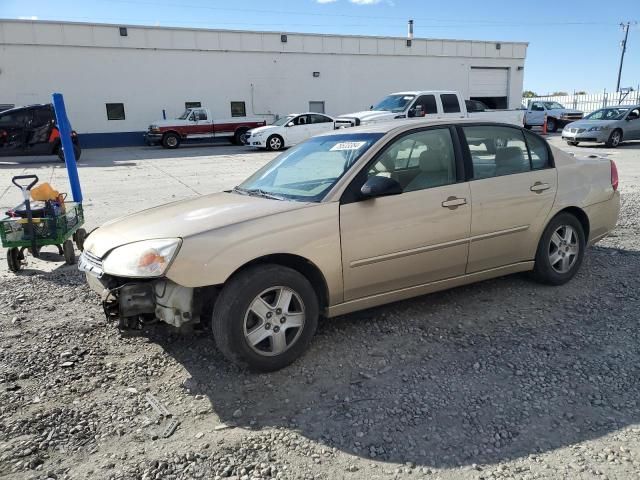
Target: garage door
489, 82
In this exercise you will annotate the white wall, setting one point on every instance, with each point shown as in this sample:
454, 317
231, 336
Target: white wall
164, 69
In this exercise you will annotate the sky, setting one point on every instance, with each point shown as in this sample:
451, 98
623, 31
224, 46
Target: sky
573, 46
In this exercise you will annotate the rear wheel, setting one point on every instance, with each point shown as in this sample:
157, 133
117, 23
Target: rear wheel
77, 151
170, 140
68, 252
615, 139
240, 137
560, 251
265, 317
275, 142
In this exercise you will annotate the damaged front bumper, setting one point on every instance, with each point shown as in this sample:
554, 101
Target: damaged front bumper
132, 302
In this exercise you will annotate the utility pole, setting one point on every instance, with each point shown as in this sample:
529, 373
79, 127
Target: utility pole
625, 27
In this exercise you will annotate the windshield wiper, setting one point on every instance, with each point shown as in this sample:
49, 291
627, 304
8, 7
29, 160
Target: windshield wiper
256, 192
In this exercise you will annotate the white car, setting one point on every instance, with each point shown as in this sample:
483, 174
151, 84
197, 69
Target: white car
290, 130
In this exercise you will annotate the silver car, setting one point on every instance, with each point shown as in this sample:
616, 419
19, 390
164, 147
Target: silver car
610, 125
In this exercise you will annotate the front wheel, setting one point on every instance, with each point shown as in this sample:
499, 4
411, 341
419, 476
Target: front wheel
265, 317
68, 252
170, 140
615, 139
560, 251
275, 142
552, 125
240, 137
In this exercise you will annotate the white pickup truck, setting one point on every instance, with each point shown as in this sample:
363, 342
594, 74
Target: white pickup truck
425, 104
557, 115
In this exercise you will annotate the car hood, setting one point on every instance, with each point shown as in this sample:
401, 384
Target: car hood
565, 111
590, 123
170, 123
267, 129
185, 218
372, 115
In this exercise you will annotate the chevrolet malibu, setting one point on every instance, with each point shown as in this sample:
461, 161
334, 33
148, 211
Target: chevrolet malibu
350, 220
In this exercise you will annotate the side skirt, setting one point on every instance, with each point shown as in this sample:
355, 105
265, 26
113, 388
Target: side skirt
410, 292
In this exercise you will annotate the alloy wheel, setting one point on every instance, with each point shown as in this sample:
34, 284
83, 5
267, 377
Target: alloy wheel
275, 143
563, 249
274, 321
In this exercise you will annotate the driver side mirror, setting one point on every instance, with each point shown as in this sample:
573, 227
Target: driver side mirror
290, 124
380, 187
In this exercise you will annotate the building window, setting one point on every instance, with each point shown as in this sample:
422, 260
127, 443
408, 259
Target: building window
115, 111
192, 105
238, 109
316, 106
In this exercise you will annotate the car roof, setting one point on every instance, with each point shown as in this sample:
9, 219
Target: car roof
425, 92
386, 127
620, 106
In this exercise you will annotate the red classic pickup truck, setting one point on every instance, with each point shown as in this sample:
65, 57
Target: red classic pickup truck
197, 123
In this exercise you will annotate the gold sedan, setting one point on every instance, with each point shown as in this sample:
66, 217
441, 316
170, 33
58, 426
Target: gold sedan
349, 220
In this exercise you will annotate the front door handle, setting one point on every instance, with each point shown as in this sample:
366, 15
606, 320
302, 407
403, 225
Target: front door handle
540, 187
454, 202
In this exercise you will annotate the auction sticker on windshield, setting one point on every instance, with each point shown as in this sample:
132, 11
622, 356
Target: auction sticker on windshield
347, 146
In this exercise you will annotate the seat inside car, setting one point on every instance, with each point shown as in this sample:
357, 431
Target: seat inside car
435, 170
510, 160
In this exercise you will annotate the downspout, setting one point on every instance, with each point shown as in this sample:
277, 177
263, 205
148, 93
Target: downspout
253, 110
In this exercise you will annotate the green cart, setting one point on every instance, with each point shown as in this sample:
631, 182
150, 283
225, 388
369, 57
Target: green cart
26, 228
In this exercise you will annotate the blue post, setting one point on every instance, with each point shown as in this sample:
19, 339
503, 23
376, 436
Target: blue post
64, 127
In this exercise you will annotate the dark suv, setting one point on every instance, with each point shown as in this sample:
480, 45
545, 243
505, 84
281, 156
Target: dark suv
32, 130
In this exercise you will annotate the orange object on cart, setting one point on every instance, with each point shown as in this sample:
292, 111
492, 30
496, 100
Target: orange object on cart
44, 192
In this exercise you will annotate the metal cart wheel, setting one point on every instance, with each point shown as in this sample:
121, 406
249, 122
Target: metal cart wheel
79, 237
14, 259
69, 252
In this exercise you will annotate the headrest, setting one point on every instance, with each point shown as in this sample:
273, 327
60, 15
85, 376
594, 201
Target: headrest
509, 160
434, 160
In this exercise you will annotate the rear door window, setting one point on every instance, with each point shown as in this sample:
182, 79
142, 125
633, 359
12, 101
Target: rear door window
450, 103
496, 151
538, 151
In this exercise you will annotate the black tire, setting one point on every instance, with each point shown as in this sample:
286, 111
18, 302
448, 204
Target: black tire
239, 138
79, 237
275, 142
552, 125
69, 252
572, 143
528, 127
14, 259
77, 151
231, 312
171, 140
544, 271
615, 138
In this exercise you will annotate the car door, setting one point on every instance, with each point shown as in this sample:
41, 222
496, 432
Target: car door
413, 238
424, 106
39, 131
513, 189
320, 124
631, 125
13, 130
203, 125
450, 106
535, 115
297, 130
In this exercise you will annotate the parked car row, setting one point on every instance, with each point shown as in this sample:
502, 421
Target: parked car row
611, 126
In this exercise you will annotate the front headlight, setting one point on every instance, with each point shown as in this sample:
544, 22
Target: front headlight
597, 129
149, 258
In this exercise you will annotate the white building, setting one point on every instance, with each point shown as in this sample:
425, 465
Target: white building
145, 70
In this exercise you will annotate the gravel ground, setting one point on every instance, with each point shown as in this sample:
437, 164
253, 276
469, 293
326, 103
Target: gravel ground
502, 379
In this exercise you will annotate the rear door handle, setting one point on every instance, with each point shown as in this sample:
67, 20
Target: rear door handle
540, 187
454, 202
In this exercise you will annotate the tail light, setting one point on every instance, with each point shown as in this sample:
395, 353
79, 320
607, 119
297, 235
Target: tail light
614, 175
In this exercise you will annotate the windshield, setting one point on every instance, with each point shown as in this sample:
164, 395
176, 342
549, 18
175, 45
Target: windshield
309, 170
394, 103
552, 105
184, 115
607, 114
282, 121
